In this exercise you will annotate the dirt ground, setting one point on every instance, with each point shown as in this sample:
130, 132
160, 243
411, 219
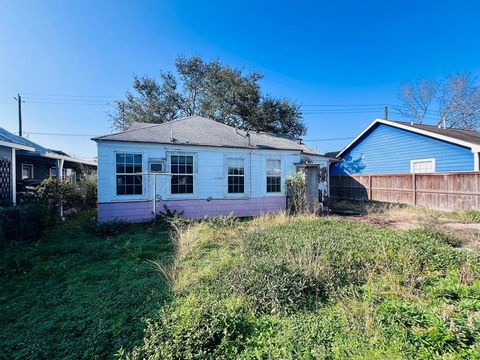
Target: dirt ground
462, 227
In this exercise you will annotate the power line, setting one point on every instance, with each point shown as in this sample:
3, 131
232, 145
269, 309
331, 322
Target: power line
59, 134
331, 139
68, 103
71, 96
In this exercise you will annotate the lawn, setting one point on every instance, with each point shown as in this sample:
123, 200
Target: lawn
76, 294
269, 288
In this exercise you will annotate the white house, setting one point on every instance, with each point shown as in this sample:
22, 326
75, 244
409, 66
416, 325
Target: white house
198, 166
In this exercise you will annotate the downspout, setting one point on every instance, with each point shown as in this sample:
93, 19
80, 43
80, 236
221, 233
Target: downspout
250, 175
476, 158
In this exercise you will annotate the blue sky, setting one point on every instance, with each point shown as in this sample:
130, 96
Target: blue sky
70, 58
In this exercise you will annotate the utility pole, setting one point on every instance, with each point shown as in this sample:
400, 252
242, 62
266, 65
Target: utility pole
385, 116
19, 100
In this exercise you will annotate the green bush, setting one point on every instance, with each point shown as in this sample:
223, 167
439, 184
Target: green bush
297, 193
54, 193
87, 187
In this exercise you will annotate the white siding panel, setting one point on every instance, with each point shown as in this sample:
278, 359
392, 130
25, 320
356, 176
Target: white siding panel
210, 176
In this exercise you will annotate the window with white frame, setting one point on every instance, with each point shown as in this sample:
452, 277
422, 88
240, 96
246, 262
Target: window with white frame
181, 167
274, 176
128, 170
70, 175
236, 176
27, 171
67, 174
422, 166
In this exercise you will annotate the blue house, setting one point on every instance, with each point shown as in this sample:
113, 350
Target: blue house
24, 163
394, 147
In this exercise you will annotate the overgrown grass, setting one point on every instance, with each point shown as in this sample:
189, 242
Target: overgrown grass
326, 288
77, 294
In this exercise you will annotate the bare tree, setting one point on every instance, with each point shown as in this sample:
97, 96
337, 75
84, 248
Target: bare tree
459, 102
453, 102
417, 99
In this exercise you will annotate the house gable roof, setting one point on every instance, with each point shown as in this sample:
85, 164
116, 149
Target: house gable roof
200, 131
466, 138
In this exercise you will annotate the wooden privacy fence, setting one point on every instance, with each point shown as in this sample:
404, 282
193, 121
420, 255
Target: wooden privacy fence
440, 191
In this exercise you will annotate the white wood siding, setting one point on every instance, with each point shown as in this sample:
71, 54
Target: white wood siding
209, 170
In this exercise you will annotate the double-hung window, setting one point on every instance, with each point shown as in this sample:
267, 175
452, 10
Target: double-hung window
236, 176
27, 171
181, 168
128, 172
274, 176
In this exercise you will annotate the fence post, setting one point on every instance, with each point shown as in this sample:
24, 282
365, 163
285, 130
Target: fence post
414, 184
477, 196
369, 187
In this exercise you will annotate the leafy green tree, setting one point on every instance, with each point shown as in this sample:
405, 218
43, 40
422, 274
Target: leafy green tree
210, 89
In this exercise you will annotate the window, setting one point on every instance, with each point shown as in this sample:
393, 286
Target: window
157, 166
422, 166
67, 174
236, 176
274, 176
181, 167
27, 171
70, 175
53, 172
129, 182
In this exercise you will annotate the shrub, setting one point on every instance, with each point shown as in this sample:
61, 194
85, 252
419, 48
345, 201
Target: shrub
87, 186
297, 193
168, 219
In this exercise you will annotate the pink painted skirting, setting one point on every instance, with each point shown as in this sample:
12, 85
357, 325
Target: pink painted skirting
138, 211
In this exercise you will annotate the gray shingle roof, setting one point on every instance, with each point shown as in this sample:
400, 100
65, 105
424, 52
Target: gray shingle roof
196, 130
464, 135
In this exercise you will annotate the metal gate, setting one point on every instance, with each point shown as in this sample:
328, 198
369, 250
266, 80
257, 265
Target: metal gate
5, 181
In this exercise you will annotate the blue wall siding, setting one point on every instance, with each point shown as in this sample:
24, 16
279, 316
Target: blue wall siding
386, 149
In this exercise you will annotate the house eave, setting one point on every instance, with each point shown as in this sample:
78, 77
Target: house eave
16, 146
59, 157
207, 145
